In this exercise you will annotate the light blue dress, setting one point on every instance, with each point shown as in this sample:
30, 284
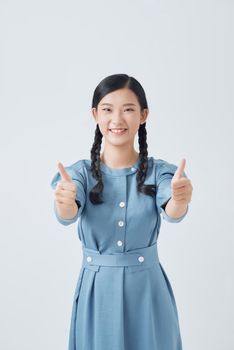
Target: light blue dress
123, 299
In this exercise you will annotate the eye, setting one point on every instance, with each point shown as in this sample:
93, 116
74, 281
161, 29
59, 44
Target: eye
127, 109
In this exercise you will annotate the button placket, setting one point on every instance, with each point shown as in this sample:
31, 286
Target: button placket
122, 211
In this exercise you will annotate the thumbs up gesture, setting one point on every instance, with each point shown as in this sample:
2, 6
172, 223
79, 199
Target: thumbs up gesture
65, 193
181, 187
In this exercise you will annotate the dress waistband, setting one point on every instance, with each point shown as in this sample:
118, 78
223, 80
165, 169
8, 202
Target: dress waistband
136, 259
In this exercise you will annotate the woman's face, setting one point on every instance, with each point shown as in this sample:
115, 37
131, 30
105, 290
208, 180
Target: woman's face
119, 109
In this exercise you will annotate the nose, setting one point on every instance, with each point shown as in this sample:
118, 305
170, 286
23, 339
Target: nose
117, 117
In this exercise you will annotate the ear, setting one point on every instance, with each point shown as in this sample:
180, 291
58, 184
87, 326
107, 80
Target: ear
144, 115
94, 113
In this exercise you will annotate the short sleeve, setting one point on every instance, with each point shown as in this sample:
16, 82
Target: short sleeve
78, 178
164, 174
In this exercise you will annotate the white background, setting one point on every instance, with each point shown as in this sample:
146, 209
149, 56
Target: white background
52, 56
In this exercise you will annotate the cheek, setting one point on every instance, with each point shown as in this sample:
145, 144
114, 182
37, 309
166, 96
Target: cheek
133, 127
103, 125
133, 121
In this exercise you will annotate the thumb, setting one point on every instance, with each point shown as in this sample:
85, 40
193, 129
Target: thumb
179, 171
63, 173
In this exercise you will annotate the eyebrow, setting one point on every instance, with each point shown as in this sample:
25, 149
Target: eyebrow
126, 104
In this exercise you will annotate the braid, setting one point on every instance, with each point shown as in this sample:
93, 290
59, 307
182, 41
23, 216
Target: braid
94, 194
143, 156
143, 165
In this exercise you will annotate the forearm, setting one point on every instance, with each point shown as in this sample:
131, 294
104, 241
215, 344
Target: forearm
175, 210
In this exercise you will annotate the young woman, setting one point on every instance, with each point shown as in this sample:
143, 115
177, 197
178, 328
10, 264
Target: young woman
123, 299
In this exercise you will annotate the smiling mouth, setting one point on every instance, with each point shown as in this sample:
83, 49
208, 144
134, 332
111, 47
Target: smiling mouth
117, 132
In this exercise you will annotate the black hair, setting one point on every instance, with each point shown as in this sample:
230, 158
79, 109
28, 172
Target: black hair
109, 84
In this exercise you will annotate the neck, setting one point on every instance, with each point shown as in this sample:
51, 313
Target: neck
119, 159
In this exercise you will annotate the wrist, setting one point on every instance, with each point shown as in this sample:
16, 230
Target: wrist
174, 209
178, 204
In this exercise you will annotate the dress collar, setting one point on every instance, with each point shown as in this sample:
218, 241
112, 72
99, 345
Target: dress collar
122, 171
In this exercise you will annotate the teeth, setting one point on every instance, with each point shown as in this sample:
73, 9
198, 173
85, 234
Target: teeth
120, 130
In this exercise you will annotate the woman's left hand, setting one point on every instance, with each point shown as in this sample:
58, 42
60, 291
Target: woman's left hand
181, 187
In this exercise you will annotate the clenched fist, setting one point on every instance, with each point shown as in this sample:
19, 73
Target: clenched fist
181, 187
65, 194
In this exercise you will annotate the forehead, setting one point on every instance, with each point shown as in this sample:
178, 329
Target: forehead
119, 97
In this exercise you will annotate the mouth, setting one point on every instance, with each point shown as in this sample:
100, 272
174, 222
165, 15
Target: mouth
118, 131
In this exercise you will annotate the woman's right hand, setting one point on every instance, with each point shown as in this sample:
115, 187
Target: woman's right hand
65, 193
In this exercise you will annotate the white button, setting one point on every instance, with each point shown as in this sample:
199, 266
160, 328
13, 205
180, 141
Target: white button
120, 243
141, 258
89, 258
133, 168
121, 204
120, 223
